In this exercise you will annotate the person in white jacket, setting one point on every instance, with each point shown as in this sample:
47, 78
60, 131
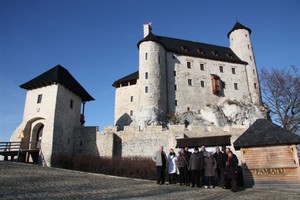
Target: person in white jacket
172, 160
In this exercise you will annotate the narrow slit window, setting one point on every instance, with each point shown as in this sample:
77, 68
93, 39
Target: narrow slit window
221, 69
189, 65
146, 75
131, 112
131, 99
174, 73
71, 103
190, 82
146, 56
175, 87
202, 83
202, 67
233, 70
235, 86
146, 89
39, 99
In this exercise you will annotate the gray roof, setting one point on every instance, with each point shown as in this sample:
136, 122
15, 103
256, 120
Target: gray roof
130, 77
195, 49
264, 133
191, 48
58, 74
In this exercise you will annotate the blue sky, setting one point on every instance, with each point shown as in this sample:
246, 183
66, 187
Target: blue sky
96, 41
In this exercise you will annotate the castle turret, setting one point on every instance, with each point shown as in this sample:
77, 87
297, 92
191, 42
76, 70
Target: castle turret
51, 114
240, 43
152, 80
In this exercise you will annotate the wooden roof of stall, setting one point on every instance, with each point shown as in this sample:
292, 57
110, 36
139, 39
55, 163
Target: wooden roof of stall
211, 141
265, 133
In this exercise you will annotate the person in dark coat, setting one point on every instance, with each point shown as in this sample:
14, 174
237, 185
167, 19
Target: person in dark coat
231, 170
195, 165
202, 171
160, 159
187, 156
183, 168
221, 161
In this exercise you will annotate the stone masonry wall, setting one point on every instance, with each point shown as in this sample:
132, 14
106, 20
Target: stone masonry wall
133, 142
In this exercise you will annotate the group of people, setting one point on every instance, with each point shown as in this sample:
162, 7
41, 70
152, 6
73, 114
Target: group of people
200, 168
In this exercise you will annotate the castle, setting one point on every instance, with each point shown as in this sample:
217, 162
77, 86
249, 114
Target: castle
177, 75
182, 90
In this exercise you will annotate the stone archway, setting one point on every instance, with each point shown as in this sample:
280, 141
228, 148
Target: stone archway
36, 136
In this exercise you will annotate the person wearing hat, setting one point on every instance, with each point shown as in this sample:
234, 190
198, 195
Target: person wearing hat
196, 165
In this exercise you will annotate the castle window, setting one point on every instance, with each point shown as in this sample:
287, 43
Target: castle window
146, 75
221, 69
146, 56
215, 53
175, 102
235, 86
131, 99
131, 112
201, 51
202, 83
174, 73
39, 99
229, 55
190, 82
188, 108
146, 89
216, 84
189, 65
246, 35
233, 70
248, 46
202, 67
255, 85
175, 87
71, 103
183, 48
254, 72
250, 57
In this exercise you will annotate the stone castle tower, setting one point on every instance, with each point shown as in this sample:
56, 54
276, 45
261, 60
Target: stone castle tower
52, 114
240, 43
177, 75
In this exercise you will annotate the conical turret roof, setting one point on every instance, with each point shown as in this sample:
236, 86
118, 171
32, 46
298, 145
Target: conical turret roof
237, 26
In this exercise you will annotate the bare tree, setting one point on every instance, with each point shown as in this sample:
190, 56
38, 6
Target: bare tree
281, 92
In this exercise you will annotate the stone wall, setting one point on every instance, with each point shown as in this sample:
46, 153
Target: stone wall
132, 142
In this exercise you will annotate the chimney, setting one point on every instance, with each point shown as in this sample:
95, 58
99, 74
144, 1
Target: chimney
147, 29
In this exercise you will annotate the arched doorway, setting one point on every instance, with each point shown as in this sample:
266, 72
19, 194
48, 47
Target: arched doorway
36, 137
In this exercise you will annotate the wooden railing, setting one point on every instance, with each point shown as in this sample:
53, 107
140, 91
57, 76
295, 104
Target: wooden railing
11, 149
20, 151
